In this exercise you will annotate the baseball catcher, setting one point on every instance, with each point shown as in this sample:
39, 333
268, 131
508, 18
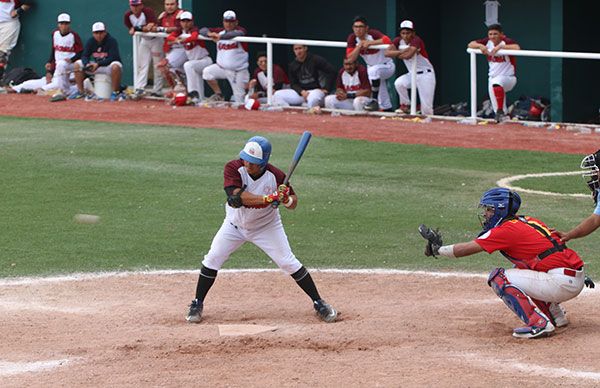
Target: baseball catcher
545, 271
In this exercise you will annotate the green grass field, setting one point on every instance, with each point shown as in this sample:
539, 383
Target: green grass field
158, 191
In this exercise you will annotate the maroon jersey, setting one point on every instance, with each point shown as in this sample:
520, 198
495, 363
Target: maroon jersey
352, 83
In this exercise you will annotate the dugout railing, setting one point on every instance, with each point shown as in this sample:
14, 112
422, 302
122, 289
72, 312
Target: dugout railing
269, 42
518, 53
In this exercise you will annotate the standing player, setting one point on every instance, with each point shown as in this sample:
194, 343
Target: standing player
353, 91
232, 59
409, 47
143, 19
257, 87
379, 67
253, 187
545, 271
66, 50
196, 54
502, 75
311, 78
10, 27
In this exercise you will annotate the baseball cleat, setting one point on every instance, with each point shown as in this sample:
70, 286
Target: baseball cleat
534, 331
372, 106
195, 313
325, 311
500, 116
558, 315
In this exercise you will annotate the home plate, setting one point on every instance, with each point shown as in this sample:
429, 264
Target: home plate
232, 330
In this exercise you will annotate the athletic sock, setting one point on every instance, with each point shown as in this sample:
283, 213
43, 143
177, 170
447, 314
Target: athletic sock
375, 88
305, 281
205, 281
499, 93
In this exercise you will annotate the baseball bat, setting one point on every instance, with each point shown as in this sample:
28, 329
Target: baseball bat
302, 144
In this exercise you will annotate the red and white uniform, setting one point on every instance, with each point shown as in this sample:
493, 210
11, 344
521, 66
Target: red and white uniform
502, 70
232, 63
197, 59
9, 26
351, 83
175, 52
425, 75
150, 49
66, 49
555, 278
379, 67
259, 225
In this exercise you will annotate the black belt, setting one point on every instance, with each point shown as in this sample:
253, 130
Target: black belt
425, 71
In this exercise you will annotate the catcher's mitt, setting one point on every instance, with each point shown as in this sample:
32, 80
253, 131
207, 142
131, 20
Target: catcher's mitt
434, 240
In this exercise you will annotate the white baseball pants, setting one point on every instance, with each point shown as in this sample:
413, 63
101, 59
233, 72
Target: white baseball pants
150, 50
61, 75
9, 34
287, 97
425, 88
238, 80
193, 74
553, 286
176, 58
271, 239
101, 69
382, 72
357, 103
507, 82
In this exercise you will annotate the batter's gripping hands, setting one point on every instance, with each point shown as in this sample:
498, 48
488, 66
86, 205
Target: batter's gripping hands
271, 199
284, 193
434, 240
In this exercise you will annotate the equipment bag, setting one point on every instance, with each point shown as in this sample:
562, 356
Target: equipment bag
18, 75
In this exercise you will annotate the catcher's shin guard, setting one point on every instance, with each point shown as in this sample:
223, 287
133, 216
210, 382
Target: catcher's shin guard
516, 300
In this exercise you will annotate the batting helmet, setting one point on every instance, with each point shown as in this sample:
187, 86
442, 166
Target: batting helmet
503, 202
180, 99
257, 150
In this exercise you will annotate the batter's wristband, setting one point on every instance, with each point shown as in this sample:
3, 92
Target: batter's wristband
289, 202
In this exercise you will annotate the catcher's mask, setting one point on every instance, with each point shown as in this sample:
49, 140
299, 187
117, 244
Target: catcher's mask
589, 165
257, 150
496, 205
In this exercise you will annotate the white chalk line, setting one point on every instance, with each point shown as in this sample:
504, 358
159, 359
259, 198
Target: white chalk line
496, 364
8, 368
506, 182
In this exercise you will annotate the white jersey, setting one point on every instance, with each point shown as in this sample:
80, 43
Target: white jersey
371, 56
65, 46
232, 55
256, 217
421, 56
6, 7
500, 64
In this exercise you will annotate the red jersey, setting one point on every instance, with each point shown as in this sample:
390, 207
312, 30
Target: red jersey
522, 243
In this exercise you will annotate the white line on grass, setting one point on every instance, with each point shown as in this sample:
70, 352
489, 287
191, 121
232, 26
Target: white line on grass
506, 182
8, 368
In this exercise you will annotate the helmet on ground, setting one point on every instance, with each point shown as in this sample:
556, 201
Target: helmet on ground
498, 204
590, 166
257, 150
180, 99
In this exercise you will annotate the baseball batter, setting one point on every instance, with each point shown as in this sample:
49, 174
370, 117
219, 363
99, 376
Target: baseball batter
545, 271
353, 90
254, 189
502, 74
232, 58
379, 67
410, 47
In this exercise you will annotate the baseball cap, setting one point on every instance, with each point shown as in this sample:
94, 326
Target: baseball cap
64, 18
407, 24
135, 2
229, 15
98, 26
187, 15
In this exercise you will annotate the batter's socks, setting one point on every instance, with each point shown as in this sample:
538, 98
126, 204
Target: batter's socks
205, 281
499, 93
305, 281
375, 88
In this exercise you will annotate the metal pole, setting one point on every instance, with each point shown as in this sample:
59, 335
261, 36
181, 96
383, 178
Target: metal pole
473, 66
413, 86
269, 73
135, 39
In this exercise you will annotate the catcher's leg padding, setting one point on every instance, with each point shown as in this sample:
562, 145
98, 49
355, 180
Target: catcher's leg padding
516, 300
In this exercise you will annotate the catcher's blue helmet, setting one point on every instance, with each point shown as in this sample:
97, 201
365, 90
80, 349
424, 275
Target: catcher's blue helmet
257, 150
504, 202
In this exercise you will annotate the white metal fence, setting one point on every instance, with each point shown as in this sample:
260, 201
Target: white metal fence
523, 53
269, 43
